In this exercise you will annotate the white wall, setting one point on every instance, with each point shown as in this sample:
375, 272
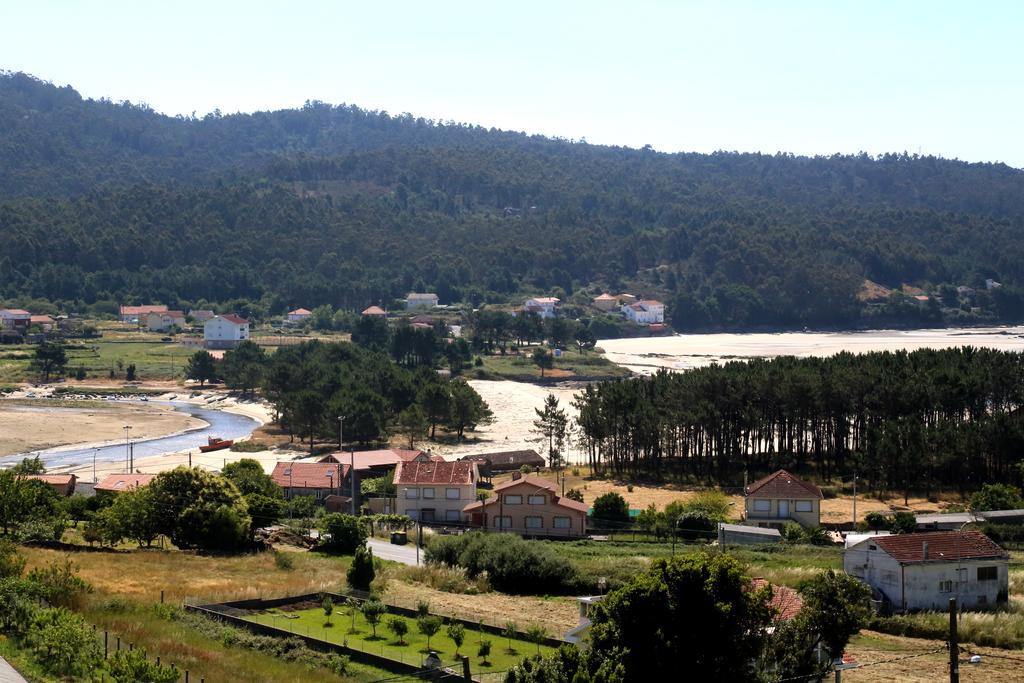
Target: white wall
440, 503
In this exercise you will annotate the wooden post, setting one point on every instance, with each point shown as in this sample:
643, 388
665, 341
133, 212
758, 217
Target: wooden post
106, 644
954, 646
161, 597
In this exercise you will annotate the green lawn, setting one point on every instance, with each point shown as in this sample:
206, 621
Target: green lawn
153, 359
312, 622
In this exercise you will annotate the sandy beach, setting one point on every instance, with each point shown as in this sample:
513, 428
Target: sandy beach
33, 425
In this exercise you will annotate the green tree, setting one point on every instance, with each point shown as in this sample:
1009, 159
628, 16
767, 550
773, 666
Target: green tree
263, 510
31, 465
509, 632
373, 611
483, 651
436, 400
131, 666
328, 607
361, 572
551, 424
457, 632
243, 366
611, 507
63, 642
27, 505
200, 510
837, 607
585, 339
996, 497
342, 533
412, 424
135, 516
399, 627
468, 409
543, 360
428, 626
12, 563
536, 634
904, 523
50, 359
248, 477
201, 367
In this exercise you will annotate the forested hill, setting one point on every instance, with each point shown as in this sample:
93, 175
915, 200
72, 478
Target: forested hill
333, 204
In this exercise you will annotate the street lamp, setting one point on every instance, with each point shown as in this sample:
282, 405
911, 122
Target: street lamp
127, 450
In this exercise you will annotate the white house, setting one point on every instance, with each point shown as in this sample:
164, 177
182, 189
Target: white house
299, 316
417, 300
992, 284
544, 306
158, 321
435, 491
780, 498
646, 312
136, 314
15, 319
225, 331
923, 571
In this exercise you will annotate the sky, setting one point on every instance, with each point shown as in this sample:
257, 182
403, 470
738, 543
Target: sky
939, 78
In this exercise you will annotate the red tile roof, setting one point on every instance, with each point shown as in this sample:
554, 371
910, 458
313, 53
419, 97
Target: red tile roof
308, 475
604, 297
785, 602
53, 479
534, 483
122, 482
367, 459
782, 484
374, 310
139, 310
230, 317
459, 473
44, 319
943, 546
300, 311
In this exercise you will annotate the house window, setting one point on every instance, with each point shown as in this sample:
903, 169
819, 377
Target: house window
536, 500
804, 506
452, 516
761, 505
946, 586
562, 523
502, 522
412, 494
452, 494
428, 514
534, 522
513, 499
428, 493
988, 573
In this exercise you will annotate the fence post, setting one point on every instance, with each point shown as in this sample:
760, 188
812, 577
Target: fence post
161, 597
186, 675
106, 644
119, 643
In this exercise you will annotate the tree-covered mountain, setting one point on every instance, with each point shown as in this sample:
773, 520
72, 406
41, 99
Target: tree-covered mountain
102, 201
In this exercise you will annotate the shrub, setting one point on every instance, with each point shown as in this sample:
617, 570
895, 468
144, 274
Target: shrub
483, 651
574, 494
428, 626
361, 572
283, 560
876, 521
399, 627
694, 524
611, 507
904, 523
130, 666
513, 565
343, 533
373, 611
997, 497
457, 632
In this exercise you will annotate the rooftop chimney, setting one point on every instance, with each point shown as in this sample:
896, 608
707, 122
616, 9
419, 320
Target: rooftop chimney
924, 550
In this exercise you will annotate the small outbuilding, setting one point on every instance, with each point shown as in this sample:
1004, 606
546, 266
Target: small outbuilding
739, 534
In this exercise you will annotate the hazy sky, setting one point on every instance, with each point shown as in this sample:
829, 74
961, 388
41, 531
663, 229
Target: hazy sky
944, 78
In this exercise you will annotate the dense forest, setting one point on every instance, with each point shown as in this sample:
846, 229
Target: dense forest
931, 418
104, 202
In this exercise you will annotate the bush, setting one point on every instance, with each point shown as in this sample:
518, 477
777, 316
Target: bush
512, 564
696, 524
361, 572
876, 521
996, 497
283, 560
303, 506
342, 533
904, 523
611, 507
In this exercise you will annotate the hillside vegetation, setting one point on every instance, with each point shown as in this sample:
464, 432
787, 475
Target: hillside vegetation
103, 201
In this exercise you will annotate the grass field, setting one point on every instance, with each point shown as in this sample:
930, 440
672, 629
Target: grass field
571, 364
350, 627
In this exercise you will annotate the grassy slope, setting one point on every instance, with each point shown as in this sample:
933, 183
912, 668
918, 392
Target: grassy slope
571, 365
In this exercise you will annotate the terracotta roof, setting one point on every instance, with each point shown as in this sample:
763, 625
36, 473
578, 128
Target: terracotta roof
782, 484
308, 475
139, 310
604, 297
534, 483
232, 318
434, 473
943, 546
650, 302
52, 479
367, 459
15, 311
41, 319
300, 311
123, 482
374, 310
785, 601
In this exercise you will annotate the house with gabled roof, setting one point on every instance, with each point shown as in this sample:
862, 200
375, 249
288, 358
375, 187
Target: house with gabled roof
645, 312
375, 311
529, 506
317, 479
544, 306
605, 302
434, 491
135, 314
225, 331
299, 316
417, 300
923, 571
116, 483
780, 498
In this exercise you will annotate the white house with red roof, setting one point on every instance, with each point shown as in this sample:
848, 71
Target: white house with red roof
544, 306
225, 331
299, 316
780, 498
435, 491
158, 321
15, 319
529, 506
135, 314
645, 312
923, 571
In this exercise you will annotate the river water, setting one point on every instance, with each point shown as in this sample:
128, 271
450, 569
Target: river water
219, 423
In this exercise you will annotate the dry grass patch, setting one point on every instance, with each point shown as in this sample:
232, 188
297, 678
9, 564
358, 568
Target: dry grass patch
871, 648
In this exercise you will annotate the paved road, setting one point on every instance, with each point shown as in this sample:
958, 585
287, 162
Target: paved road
8, 674
406, 554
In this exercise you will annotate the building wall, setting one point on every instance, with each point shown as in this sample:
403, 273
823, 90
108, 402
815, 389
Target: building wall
220, 333
929, 585
516, 514
443, 509
418, 303
606, 304
771, 516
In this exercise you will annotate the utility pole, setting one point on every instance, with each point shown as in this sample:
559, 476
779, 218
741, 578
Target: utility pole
352, 477
854, 499
954, 647
131, 458
127, 454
